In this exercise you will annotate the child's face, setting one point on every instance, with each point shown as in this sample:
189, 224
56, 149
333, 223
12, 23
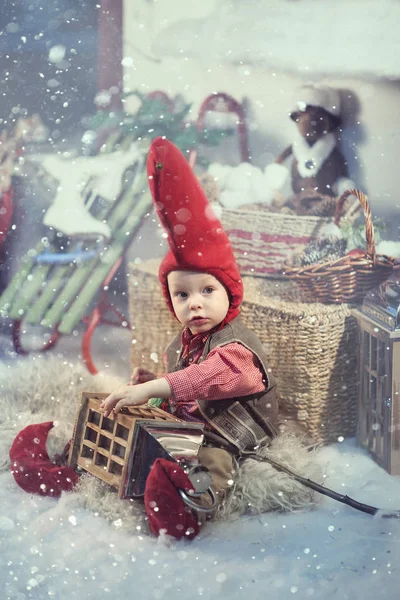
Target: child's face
199, 300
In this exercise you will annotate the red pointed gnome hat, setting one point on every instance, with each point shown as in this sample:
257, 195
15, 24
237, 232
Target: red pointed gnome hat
195, 235
32, 468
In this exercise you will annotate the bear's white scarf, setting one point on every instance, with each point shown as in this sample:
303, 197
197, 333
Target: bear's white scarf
311, 158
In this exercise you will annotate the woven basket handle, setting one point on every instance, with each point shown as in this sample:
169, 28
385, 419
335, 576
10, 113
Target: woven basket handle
369, 227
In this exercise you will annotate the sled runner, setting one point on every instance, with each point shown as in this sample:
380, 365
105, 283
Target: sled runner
64, 279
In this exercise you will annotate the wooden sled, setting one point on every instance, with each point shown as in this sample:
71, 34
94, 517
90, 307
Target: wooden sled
57, 289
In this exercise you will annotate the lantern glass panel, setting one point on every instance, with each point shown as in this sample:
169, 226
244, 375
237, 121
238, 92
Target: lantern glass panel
372, 395
104, 442
374, 353
100, 460
94, 417
108, 425
366, 344
118, 450
115, 468
91, 434
87, 452
381, 358
122, 432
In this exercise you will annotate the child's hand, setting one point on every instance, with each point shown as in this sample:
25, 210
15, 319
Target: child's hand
140, 375
134, 395
125, 396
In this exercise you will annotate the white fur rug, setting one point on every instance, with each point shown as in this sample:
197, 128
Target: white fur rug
43, 388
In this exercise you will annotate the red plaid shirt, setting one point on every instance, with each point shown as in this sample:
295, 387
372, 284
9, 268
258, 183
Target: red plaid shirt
229, 371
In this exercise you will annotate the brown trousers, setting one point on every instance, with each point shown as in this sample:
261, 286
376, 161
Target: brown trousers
220, 464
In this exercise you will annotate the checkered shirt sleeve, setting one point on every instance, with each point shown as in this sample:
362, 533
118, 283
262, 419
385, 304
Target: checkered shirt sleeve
229, 371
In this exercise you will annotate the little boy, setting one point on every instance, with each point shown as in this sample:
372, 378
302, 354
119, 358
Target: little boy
217, 368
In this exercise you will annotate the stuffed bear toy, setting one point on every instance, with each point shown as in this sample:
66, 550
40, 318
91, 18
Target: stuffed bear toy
319, 170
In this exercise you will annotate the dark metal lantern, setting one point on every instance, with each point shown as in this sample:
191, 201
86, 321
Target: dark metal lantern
378, 427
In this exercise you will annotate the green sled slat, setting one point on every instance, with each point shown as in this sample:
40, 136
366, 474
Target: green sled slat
81, 277
41, 294
30, 290
76, 311
87, 274
55, 284
53, 287
69, 292
14, 287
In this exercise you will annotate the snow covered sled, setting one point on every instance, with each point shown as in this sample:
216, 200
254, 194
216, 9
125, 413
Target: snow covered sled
64, 278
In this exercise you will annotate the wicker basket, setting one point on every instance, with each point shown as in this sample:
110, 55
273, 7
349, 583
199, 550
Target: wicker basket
312, 348
350, 277
263, 241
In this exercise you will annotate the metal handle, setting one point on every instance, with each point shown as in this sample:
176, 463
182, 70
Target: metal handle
189, 501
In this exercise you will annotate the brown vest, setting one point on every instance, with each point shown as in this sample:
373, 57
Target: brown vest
244, 423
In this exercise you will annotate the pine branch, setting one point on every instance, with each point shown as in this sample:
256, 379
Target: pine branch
153, 118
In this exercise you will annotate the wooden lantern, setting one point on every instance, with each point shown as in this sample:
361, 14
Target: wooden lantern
103, 446
378, 427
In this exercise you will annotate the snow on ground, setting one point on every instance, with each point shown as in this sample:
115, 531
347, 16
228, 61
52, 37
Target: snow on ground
57, 549
315, 38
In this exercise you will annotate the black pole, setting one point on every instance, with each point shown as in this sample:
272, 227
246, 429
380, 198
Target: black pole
366, 508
